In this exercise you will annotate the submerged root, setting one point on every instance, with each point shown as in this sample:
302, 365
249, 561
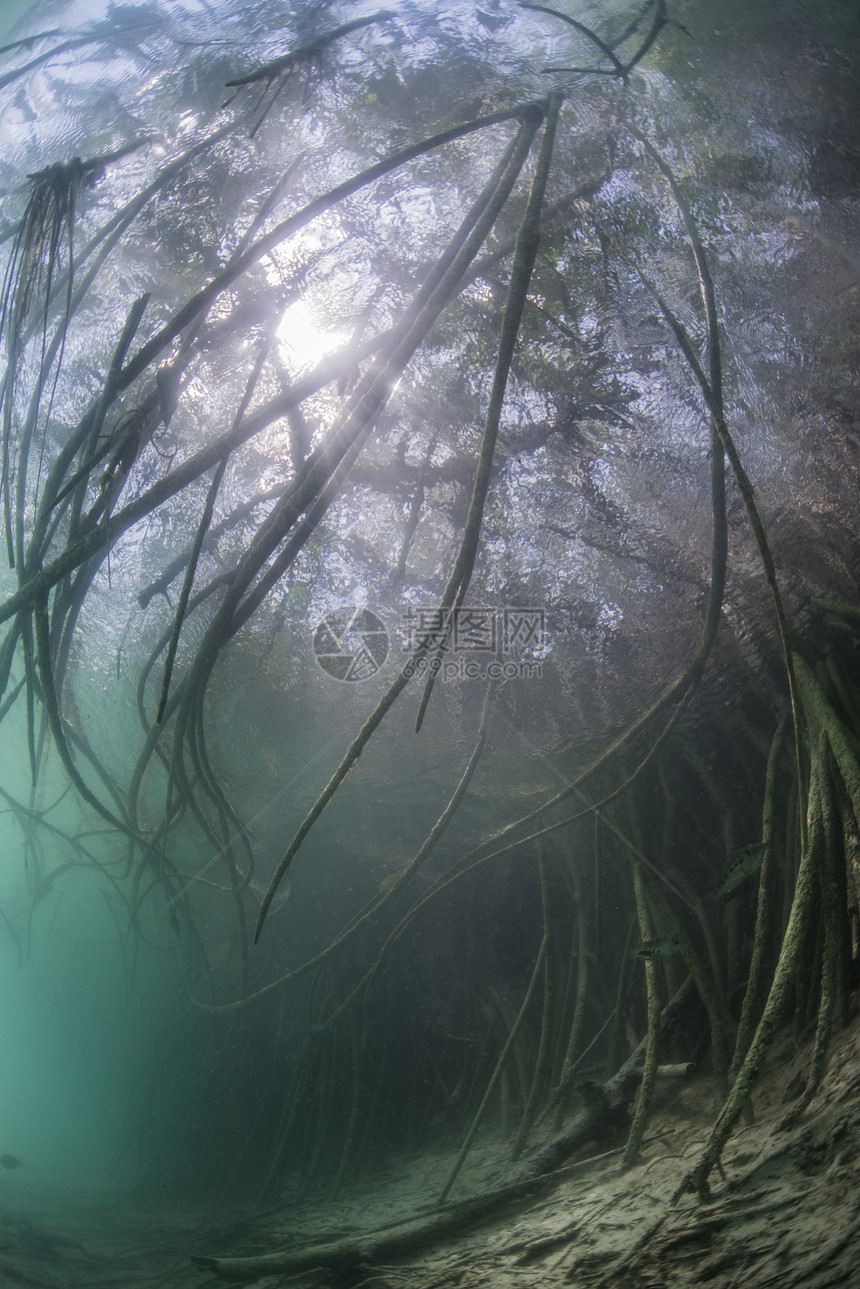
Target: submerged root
604, 1112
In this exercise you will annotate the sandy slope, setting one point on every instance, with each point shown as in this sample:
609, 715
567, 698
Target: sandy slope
786, 1214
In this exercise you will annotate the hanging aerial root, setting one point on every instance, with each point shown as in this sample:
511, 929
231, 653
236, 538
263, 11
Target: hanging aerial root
584, 958
521, 272
346, 438
275, 73
201, 302
617, 67
77, 552
202, 529
47, 224
358, 423
780, 990
821, 716
51, 704
707, 987
677, 695
604, 1109
831, 857
755, 975
370, 914
649, 1066
84, 442
606, 49
497, 1072
540, 1075
47, 221
711, 387
287, 61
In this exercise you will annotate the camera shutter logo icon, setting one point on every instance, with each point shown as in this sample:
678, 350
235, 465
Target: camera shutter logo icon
351, 644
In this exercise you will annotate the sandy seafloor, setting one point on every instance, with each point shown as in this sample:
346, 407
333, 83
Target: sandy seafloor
786, 1213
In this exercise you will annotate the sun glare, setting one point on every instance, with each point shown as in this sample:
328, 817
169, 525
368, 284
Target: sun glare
303, 339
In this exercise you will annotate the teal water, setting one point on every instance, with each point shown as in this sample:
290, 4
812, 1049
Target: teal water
84, 1006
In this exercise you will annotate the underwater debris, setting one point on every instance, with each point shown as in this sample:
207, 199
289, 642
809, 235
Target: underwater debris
740, 865
651, 949
10, 1161
283, 895
680, 1070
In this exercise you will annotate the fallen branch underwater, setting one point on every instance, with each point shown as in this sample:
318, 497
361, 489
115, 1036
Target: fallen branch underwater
604, 1112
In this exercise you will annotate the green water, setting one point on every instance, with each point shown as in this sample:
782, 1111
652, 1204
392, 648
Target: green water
85, 1009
